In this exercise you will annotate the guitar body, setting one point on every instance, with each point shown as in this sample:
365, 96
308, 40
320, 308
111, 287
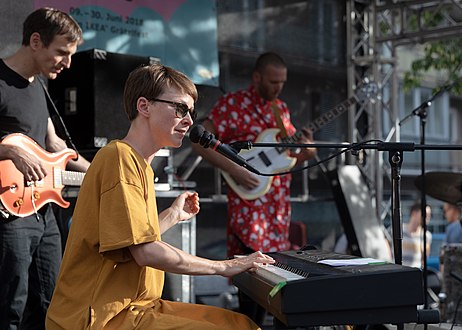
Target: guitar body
17, 196
267, 160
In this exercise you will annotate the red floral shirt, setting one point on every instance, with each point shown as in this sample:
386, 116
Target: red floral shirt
260, 224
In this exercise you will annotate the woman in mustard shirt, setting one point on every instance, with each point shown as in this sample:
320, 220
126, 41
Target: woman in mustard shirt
112, 273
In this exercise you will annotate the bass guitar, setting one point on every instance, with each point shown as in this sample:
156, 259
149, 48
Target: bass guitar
277, 159
22, 198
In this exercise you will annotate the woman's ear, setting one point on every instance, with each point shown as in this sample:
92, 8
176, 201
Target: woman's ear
142, 105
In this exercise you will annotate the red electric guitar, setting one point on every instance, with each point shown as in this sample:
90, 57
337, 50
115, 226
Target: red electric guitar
21, 198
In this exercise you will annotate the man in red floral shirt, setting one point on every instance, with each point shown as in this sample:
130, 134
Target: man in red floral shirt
257, 224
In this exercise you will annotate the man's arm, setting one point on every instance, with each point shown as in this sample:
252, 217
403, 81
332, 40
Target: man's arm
29, 165
55, 143
241, 175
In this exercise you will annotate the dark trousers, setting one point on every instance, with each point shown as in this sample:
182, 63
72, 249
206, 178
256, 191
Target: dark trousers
30, 256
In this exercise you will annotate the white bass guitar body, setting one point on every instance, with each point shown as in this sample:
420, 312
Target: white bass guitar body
267, 160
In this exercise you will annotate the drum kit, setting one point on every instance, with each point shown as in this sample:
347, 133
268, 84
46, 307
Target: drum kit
447, 187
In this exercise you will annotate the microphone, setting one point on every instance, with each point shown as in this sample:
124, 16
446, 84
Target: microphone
206, 139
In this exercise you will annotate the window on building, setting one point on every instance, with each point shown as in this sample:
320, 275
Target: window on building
437, 119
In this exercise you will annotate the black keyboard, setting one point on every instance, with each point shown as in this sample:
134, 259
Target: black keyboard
300, 291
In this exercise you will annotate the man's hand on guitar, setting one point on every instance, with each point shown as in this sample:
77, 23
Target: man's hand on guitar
305, 153
22, 164
29, 165
244, 178
307, 136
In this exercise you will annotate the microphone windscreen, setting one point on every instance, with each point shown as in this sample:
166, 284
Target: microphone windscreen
196, 133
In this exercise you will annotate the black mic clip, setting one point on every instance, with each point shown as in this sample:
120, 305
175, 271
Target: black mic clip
355, 152
206, 139
239, 145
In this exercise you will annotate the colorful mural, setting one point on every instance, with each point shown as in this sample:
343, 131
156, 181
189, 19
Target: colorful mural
180, 33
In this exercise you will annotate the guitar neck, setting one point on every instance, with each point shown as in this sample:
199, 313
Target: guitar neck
331, 114
369, 90
71, 178
323, 119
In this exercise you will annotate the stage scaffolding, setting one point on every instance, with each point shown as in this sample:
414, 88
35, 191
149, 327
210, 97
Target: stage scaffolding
375, 29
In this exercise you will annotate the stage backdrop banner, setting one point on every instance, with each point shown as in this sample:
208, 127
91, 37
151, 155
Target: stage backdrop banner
180, 33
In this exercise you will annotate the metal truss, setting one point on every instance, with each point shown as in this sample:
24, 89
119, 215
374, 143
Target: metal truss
375, 29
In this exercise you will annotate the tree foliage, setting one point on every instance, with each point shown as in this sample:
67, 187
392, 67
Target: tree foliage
444, 56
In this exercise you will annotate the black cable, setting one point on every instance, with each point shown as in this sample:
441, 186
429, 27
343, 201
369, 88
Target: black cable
57, 116
353, 147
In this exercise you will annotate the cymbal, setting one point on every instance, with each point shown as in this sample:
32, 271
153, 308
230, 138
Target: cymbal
444, 186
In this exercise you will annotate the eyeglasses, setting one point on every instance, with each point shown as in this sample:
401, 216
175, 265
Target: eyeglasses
181, 109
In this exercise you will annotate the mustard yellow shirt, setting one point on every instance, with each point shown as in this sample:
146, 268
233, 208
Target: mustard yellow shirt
100, 286
116, 208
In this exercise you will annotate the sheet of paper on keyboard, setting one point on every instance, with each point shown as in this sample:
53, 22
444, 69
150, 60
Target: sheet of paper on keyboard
351, 262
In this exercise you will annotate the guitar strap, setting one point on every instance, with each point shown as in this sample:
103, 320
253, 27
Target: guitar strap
277, 116
282, 129
57, 119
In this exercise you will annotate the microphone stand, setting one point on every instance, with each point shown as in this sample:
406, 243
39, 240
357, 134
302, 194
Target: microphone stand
421, 112
395, 157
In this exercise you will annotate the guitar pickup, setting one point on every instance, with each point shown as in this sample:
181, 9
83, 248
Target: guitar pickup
57, 179
39, 183
264, 158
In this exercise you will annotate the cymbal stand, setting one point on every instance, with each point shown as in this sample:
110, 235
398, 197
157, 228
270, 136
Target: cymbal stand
395, 158
421, 112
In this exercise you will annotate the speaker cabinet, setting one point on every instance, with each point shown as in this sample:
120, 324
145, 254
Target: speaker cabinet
89, 96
